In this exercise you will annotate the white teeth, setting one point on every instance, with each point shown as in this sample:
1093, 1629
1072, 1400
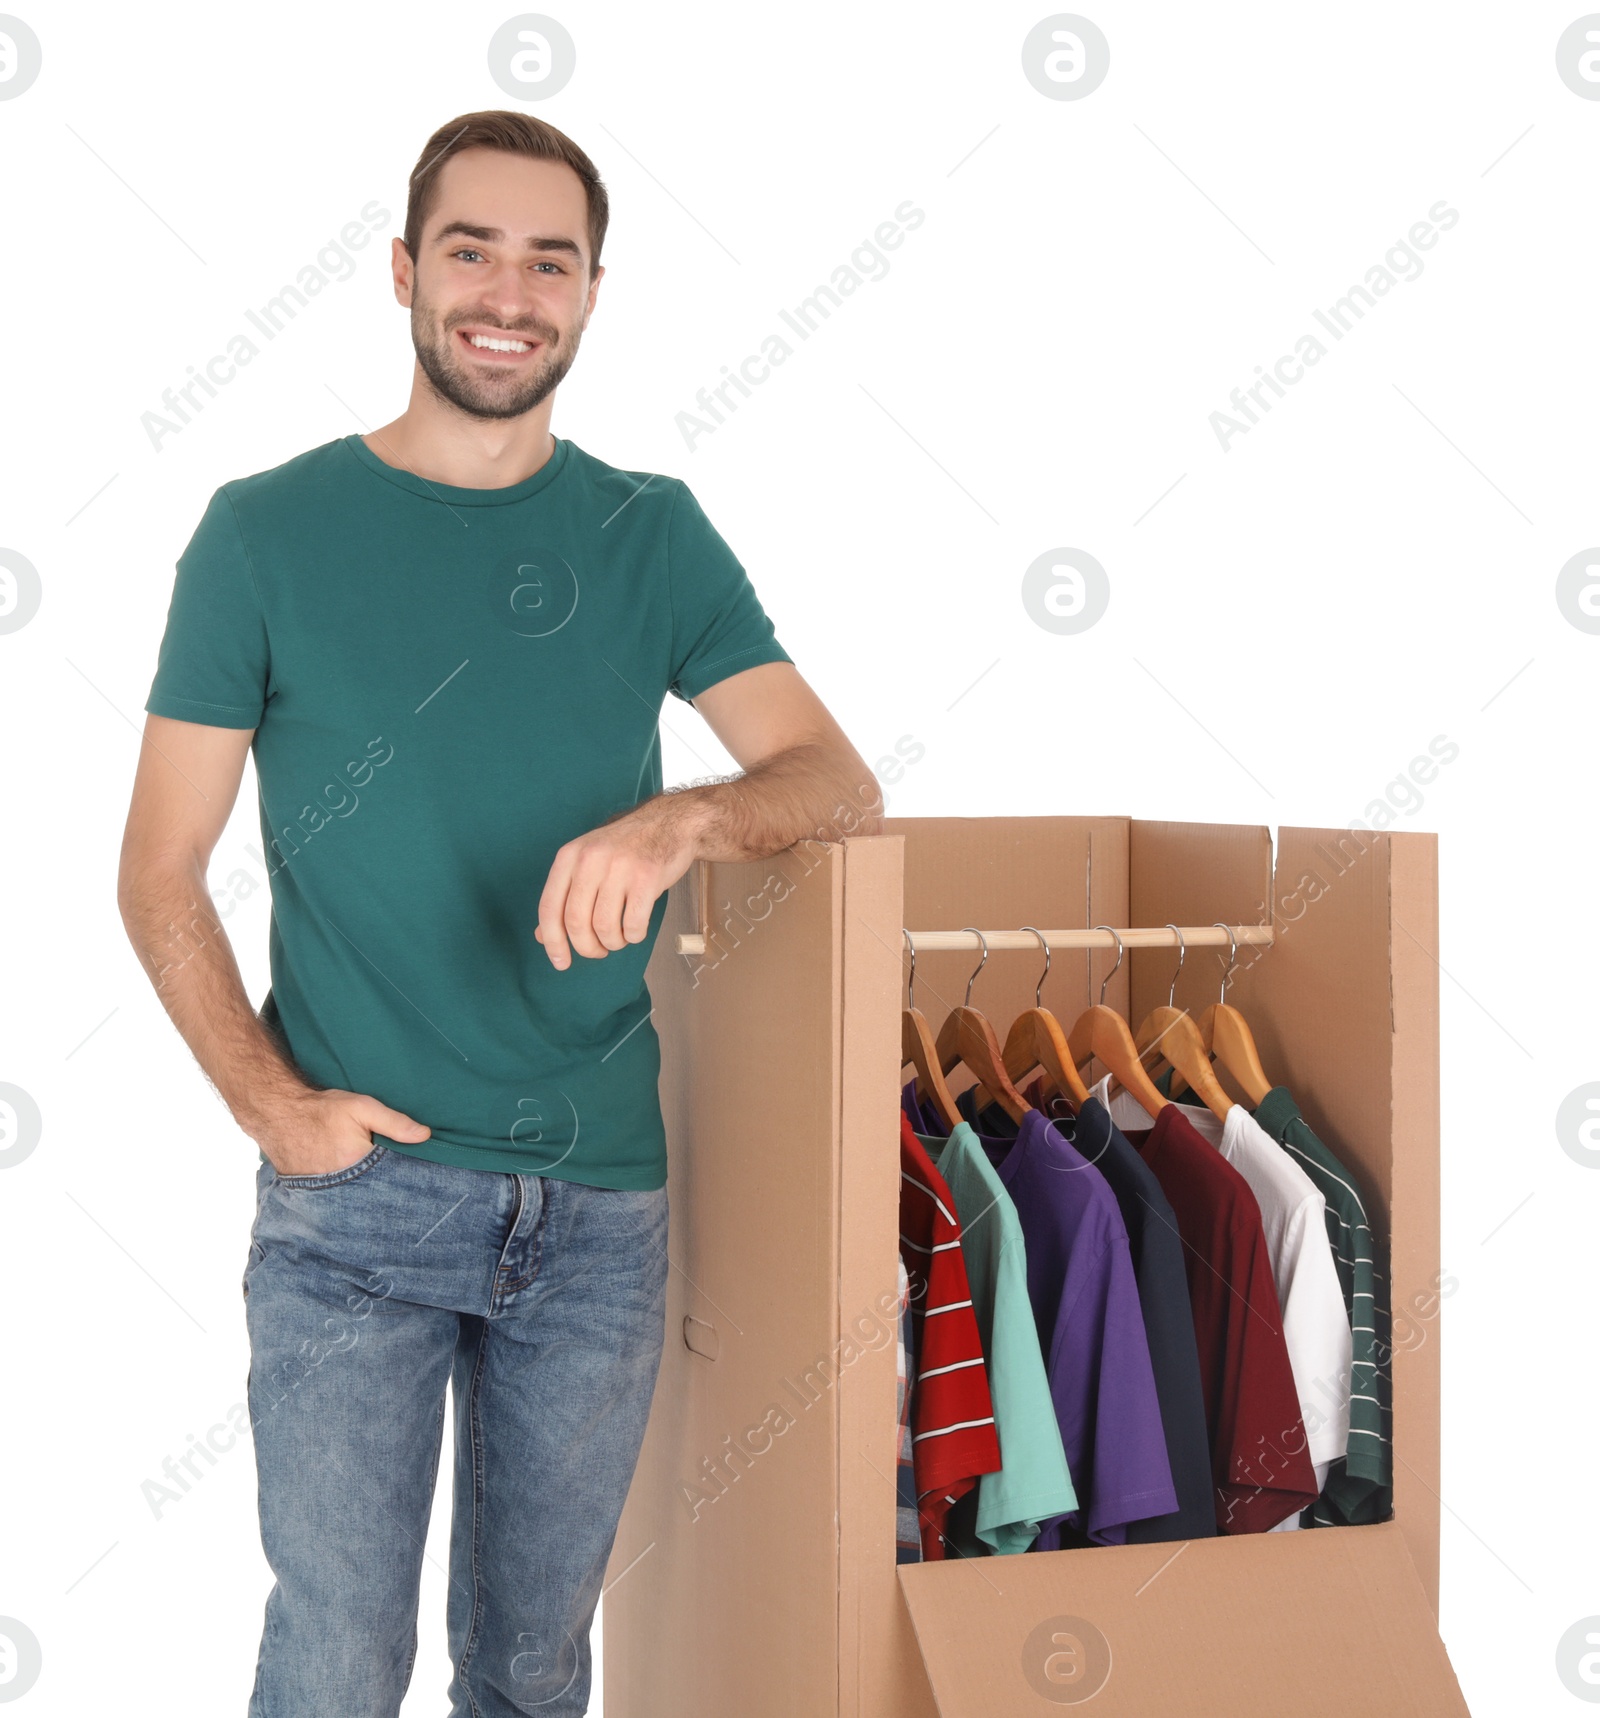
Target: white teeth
489, 345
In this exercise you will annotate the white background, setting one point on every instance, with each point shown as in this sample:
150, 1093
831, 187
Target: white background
1291, 620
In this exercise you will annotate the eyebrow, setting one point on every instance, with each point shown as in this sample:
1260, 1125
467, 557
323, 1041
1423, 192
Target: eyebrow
494, 235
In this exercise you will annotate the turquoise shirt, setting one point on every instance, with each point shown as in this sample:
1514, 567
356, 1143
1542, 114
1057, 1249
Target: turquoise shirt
446, 684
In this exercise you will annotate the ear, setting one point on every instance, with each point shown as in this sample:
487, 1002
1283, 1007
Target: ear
594, 288
403, 270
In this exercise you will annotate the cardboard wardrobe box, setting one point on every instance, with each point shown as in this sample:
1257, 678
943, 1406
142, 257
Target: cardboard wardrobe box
754, 1568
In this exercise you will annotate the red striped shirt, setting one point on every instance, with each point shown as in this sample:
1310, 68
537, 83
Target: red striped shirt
953, 1439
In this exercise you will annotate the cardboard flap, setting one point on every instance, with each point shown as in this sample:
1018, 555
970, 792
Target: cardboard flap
1318, 1623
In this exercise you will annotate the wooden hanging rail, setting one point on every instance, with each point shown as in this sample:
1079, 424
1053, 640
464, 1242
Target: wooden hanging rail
1139, 936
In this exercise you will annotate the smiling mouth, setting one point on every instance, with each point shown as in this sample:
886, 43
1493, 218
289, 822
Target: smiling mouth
498, 348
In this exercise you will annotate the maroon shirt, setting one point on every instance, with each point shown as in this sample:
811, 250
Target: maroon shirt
1261, 1471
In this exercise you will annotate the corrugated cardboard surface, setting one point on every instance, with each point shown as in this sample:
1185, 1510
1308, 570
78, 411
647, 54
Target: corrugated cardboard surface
721, 1591
1416, 1265
1193, 874
784, 1243
1348, 1012
1317, 1625
871, 1615
1002, 873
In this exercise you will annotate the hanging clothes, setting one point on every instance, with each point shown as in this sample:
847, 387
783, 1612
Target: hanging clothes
1261, 1472
907, 1532
1157, 1256
1316, 1328
953, 1435
1004, 1511
1090, 1330
1359, 1489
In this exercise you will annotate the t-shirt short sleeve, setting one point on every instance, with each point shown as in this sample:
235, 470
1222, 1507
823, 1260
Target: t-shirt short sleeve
213, 665
718, 624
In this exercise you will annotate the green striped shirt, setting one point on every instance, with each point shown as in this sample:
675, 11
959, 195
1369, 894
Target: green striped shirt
1361, 1487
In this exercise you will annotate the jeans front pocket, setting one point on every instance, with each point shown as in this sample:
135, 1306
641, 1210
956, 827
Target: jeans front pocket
256, 1255
337, 1177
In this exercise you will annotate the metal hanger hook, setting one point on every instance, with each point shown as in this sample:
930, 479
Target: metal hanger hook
1038, 989
911, 982
1113, 972
1182, 956
1233, 958
979, 968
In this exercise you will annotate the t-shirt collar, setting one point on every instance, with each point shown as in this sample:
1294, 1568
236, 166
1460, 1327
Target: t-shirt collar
453, 495
1223, 1132
1122, 1108
1006, 1152
1147, 1134
1091, 1133
1278, 1112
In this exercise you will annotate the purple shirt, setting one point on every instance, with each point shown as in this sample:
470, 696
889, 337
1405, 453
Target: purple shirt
1085, 1301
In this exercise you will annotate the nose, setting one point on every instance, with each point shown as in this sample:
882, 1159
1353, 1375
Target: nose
509, 298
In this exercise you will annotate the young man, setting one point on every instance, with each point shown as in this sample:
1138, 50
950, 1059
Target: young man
448, 642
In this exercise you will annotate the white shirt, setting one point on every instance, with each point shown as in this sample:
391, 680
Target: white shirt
1316, 1328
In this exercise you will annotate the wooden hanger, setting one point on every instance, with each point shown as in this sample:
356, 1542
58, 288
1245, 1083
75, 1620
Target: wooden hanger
967, 1037
1225, 1035
1101, 1034
1037, 1041
918, 1050
1173, 1034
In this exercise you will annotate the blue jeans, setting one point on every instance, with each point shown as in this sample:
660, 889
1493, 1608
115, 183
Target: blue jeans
542, 1301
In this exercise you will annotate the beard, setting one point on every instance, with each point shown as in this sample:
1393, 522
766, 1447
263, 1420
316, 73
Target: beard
476, 390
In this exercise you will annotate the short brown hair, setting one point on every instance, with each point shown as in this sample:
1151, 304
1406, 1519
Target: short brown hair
516, 134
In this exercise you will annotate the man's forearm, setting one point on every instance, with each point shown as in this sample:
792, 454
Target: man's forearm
812, 791
182, 946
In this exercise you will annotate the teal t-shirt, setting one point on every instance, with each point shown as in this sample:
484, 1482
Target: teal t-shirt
446, 684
